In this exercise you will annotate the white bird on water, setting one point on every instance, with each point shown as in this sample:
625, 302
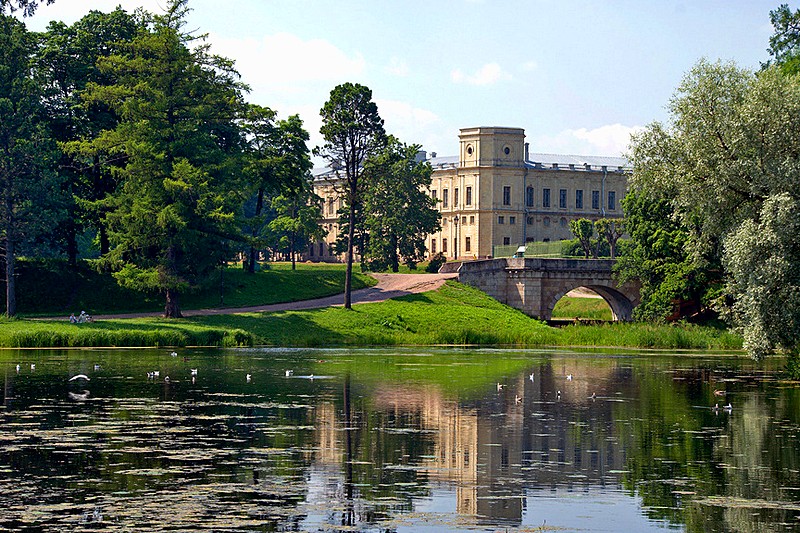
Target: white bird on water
289, 373
500, 386
569, 377
249, 377
174, 354
33, 366
17, 369
531, 376
79, 376
194, 371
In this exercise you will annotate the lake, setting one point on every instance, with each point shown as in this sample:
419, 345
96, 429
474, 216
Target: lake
424, 439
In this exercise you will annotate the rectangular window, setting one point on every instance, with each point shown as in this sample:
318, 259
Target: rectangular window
469, 196
455, 197
530, 221
579, 199
595, 199
512, 220
433, 246
501, 219
612, 200
562, 198
321, 249
506, 241
467, 244
471, 220
433, 194
546, 198
529, 197
445, 197
444, 246
311, 250
331, 208
463, 220
506, 195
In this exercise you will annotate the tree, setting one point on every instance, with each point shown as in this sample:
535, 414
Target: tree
28, 7
67, 62
297, 220
611, 229
399, 214
172, 218
784, 45
730, 151
278, 163
29, 186
583, 229
353, 132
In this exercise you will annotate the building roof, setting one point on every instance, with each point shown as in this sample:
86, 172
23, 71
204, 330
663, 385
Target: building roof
535, 161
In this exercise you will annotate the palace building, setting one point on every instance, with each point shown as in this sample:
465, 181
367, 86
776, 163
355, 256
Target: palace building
496, 195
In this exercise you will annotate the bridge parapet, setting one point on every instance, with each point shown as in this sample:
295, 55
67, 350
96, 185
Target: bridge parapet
534, 285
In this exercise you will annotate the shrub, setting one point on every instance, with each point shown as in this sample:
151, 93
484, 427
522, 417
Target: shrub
436, 263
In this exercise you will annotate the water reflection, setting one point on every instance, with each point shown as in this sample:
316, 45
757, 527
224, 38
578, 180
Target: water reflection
447, 440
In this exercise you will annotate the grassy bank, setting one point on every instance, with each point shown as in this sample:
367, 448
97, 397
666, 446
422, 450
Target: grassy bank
585, 308
49, 288
455, 314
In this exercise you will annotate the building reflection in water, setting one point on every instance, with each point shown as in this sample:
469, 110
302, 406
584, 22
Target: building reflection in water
523, 436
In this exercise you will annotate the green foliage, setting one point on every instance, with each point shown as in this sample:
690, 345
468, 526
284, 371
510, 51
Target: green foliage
784, 44
763, 260
436, 263
353, 132
730, 151
67, 62
583, 229
30, 196
610, 230
398, 213
26, 7
171, 218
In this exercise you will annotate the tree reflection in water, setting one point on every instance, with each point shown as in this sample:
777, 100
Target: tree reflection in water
399, 439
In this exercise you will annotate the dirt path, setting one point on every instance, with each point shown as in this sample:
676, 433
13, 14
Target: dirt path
389, 286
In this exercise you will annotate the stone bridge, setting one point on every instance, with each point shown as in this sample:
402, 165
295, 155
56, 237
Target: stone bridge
534, 285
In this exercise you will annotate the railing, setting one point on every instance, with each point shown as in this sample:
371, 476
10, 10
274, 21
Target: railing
532, 249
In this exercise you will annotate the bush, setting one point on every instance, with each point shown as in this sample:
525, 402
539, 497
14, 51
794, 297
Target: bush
436, 263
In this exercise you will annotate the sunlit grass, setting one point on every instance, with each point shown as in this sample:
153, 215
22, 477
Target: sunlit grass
586, 308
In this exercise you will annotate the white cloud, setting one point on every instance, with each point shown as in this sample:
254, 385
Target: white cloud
488, 74
397, 67
413, 125
284, 60
529, 66
610, 140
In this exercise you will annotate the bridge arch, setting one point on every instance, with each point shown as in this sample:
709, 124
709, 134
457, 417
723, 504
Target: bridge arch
621, 306
534, 285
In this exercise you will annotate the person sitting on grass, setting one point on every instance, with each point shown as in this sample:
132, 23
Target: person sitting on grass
72, 319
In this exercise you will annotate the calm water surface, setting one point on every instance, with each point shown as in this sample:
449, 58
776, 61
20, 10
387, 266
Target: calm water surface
396, 440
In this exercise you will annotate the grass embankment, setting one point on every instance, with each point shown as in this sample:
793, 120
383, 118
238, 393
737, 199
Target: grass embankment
584, 308
49, 288
455, 314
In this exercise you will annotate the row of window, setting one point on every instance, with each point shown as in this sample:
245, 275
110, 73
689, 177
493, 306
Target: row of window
446, 197
529, 198
467, 245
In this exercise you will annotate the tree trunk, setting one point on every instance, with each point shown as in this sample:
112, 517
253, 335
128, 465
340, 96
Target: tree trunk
251, 266
348, 273
11, 291
395, 261
105, 244
72, 243
291, 249
172, 308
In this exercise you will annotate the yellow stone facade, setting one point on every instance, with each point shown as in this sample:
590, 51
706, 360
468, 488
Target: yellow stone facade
497, 193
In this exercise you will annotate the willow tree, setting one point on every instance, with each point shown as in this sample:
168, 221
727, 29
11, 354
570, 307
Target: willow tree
729, 164
171, 219
353, 132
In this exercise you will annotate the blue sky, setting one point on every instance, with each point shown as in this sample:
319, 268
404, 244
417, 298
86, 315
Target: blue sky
579, 76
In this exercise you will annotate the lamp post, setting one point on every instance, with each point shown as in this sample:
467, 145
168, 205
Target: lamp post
455, 243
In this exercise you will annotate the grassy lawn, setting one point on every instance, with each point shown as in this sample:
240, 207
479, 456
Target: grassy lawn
48, 288
588, 308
